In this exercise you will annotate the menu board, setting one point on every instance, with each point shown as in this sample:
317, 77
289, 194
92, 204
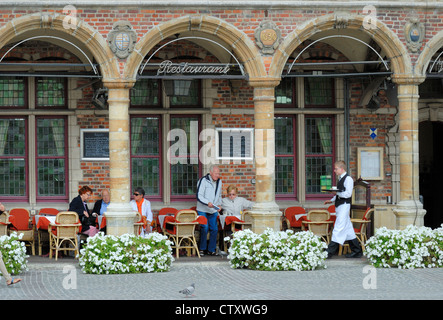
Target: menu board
95, 144
370, 163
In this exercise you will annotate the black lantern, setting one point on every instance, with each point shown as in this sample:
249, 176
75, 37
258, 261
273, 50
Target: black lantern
374, 103
100, 98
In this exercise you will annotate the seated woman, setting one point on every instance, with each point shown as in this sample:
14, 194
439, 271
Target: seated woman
143, 206
79, 205
233, 205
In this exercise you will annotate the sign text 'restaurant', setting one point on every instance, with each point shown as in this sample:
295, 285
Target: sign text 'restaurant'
167, 67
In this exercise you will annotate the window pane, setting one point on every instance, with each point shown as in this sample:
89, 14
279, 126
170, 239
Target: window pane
284, 175
190, 100
12, 177
51, 177
50, 92
284, 138
12, 137
50, 137
145, 136
184, 179
145, 92
319, 92
12, 92
51, 157
316, 167
12, 170
145, 154
184, 175
284, 92
318, 136
146, 174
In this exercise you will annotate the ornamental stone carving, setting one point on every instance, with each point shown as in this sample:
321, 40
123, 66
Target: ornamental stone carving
414, 34
122, 39
267, 37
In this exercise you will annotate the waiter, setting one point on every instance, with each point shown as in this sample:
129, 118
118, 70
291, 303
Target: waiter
343, 228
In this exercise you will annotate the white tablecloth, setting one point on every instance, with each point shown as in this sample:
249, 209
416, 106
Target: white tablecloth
51, 218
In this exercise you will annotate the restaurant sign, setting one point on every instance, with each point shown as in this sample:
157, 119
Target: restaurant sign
167, 67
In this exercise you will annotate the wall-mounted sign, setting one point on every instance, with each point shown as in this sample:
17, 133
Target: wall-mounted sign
167, 67
94, 144
370, 163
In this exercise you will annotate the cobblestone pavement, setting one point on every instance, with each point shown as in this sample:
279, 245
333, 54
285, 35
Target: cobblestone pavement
214, 280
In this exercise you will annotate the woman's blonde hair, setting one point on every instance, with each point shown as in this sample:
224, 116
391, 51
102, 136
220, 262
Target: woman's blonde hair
232, 187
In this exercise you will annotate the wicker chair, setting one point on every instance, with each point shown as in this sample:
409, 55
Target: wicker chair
4, 223
182, 234
245, 223
43, 235
64, 231
362, 224
318, 223
289, 217
23, 225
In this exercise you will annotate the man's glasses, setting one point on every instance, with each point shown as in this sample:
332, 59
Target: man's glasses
136, 194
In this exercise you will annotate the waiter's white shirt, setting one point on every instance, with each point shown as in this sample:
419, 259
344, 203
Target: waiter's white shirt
343, 228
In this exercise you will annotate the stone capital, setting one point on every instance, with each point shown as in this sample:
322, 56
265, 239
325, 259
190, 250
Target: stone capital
407, 79
118, 83
264, 82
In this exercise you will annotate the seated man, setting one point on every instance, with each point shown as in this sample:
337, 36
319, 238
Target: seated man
101, 205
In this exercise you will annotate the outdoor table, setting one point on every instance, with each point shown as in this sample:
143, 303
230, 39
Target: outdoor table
42, 222
162, 219
227, 220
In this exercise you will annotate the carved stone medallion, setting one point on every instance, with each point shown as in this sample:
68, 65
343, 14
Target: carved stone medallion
414, 34
122, 39
267, 37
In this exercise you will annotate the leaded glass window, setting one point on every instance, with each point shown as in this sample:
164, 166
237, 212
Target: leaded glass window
12, 92
319, 152
50, 92
51, 157
185, 167
319, 92
145, 154
13, 155
145, 93
284, 156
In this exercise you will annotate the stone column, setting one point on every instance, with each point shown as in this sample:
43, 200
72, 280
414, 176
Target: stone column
119, 216
265, 213
409, 209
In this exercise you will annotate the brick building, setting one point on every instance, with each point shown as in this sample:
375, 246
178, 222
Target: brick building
275, 93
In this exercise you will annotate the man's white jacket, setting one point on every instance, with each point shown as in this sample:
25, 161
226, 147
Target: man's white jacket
207, 192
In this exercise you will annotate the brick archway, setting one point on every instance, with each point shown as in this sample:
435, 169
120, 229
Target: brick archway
428, 52
80, 32
243, 47
385, 38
